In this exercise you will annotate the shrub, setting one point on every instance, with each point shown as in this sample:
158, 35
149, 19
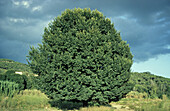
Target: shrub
8, 88
135, 94
10, 71
27, 99
2, 71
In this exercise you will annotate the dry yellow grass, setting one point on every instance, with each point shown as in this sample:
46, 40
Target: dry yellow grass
95, 108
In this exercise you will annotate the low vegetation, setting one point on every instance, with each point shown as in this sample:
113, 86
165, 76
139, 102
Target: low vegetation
25, 100
8, 88
35, 100
144, 104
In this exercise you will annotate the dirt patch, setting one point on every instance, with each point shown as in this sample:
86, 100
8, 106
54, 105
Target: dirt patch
118, 107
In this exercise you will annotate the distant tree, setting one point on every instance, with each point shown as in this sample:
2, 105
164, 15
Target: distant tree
82, 58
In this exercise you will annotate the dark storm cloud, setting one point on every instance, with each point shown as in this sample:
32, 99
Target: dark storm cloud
146, 41
144, 24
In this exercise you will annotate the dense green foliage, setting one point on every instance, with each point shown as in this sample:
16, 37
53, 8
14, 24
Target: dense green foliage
154, 86
8, 88
8, 64
82, 58
21, 80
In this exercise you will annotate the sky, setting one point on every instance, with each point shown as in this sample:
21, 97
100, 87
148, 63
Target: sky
144, 24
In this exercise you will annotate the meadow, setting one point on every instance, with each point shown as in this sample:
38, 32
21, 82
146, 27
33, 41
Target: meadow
35, 100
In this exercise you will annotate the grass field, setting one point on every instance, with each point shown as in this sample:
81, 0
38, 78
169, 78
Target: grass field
34, 100
144, 104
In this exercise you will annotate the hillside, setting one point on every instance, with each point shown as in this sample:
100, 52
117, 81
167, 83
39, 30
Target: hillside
154, 86
7, 64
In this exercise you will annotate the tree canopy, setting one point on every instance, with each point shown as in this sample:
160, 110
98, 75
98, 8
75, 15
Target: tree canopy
82, 58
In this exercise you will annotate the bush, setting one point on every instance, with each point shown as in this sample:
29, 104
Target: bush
27, 99
135, 94
8, 88
10, 71
2, 71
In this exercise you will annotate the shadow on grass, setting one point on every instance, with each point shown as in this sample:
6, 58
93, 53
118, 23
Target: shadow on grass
69, 105
66, 105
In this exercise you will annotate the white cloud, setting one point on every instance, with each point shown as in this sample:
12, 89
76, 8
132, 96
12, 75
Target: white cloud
25, 4
17, 20
124, 17
37, 8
